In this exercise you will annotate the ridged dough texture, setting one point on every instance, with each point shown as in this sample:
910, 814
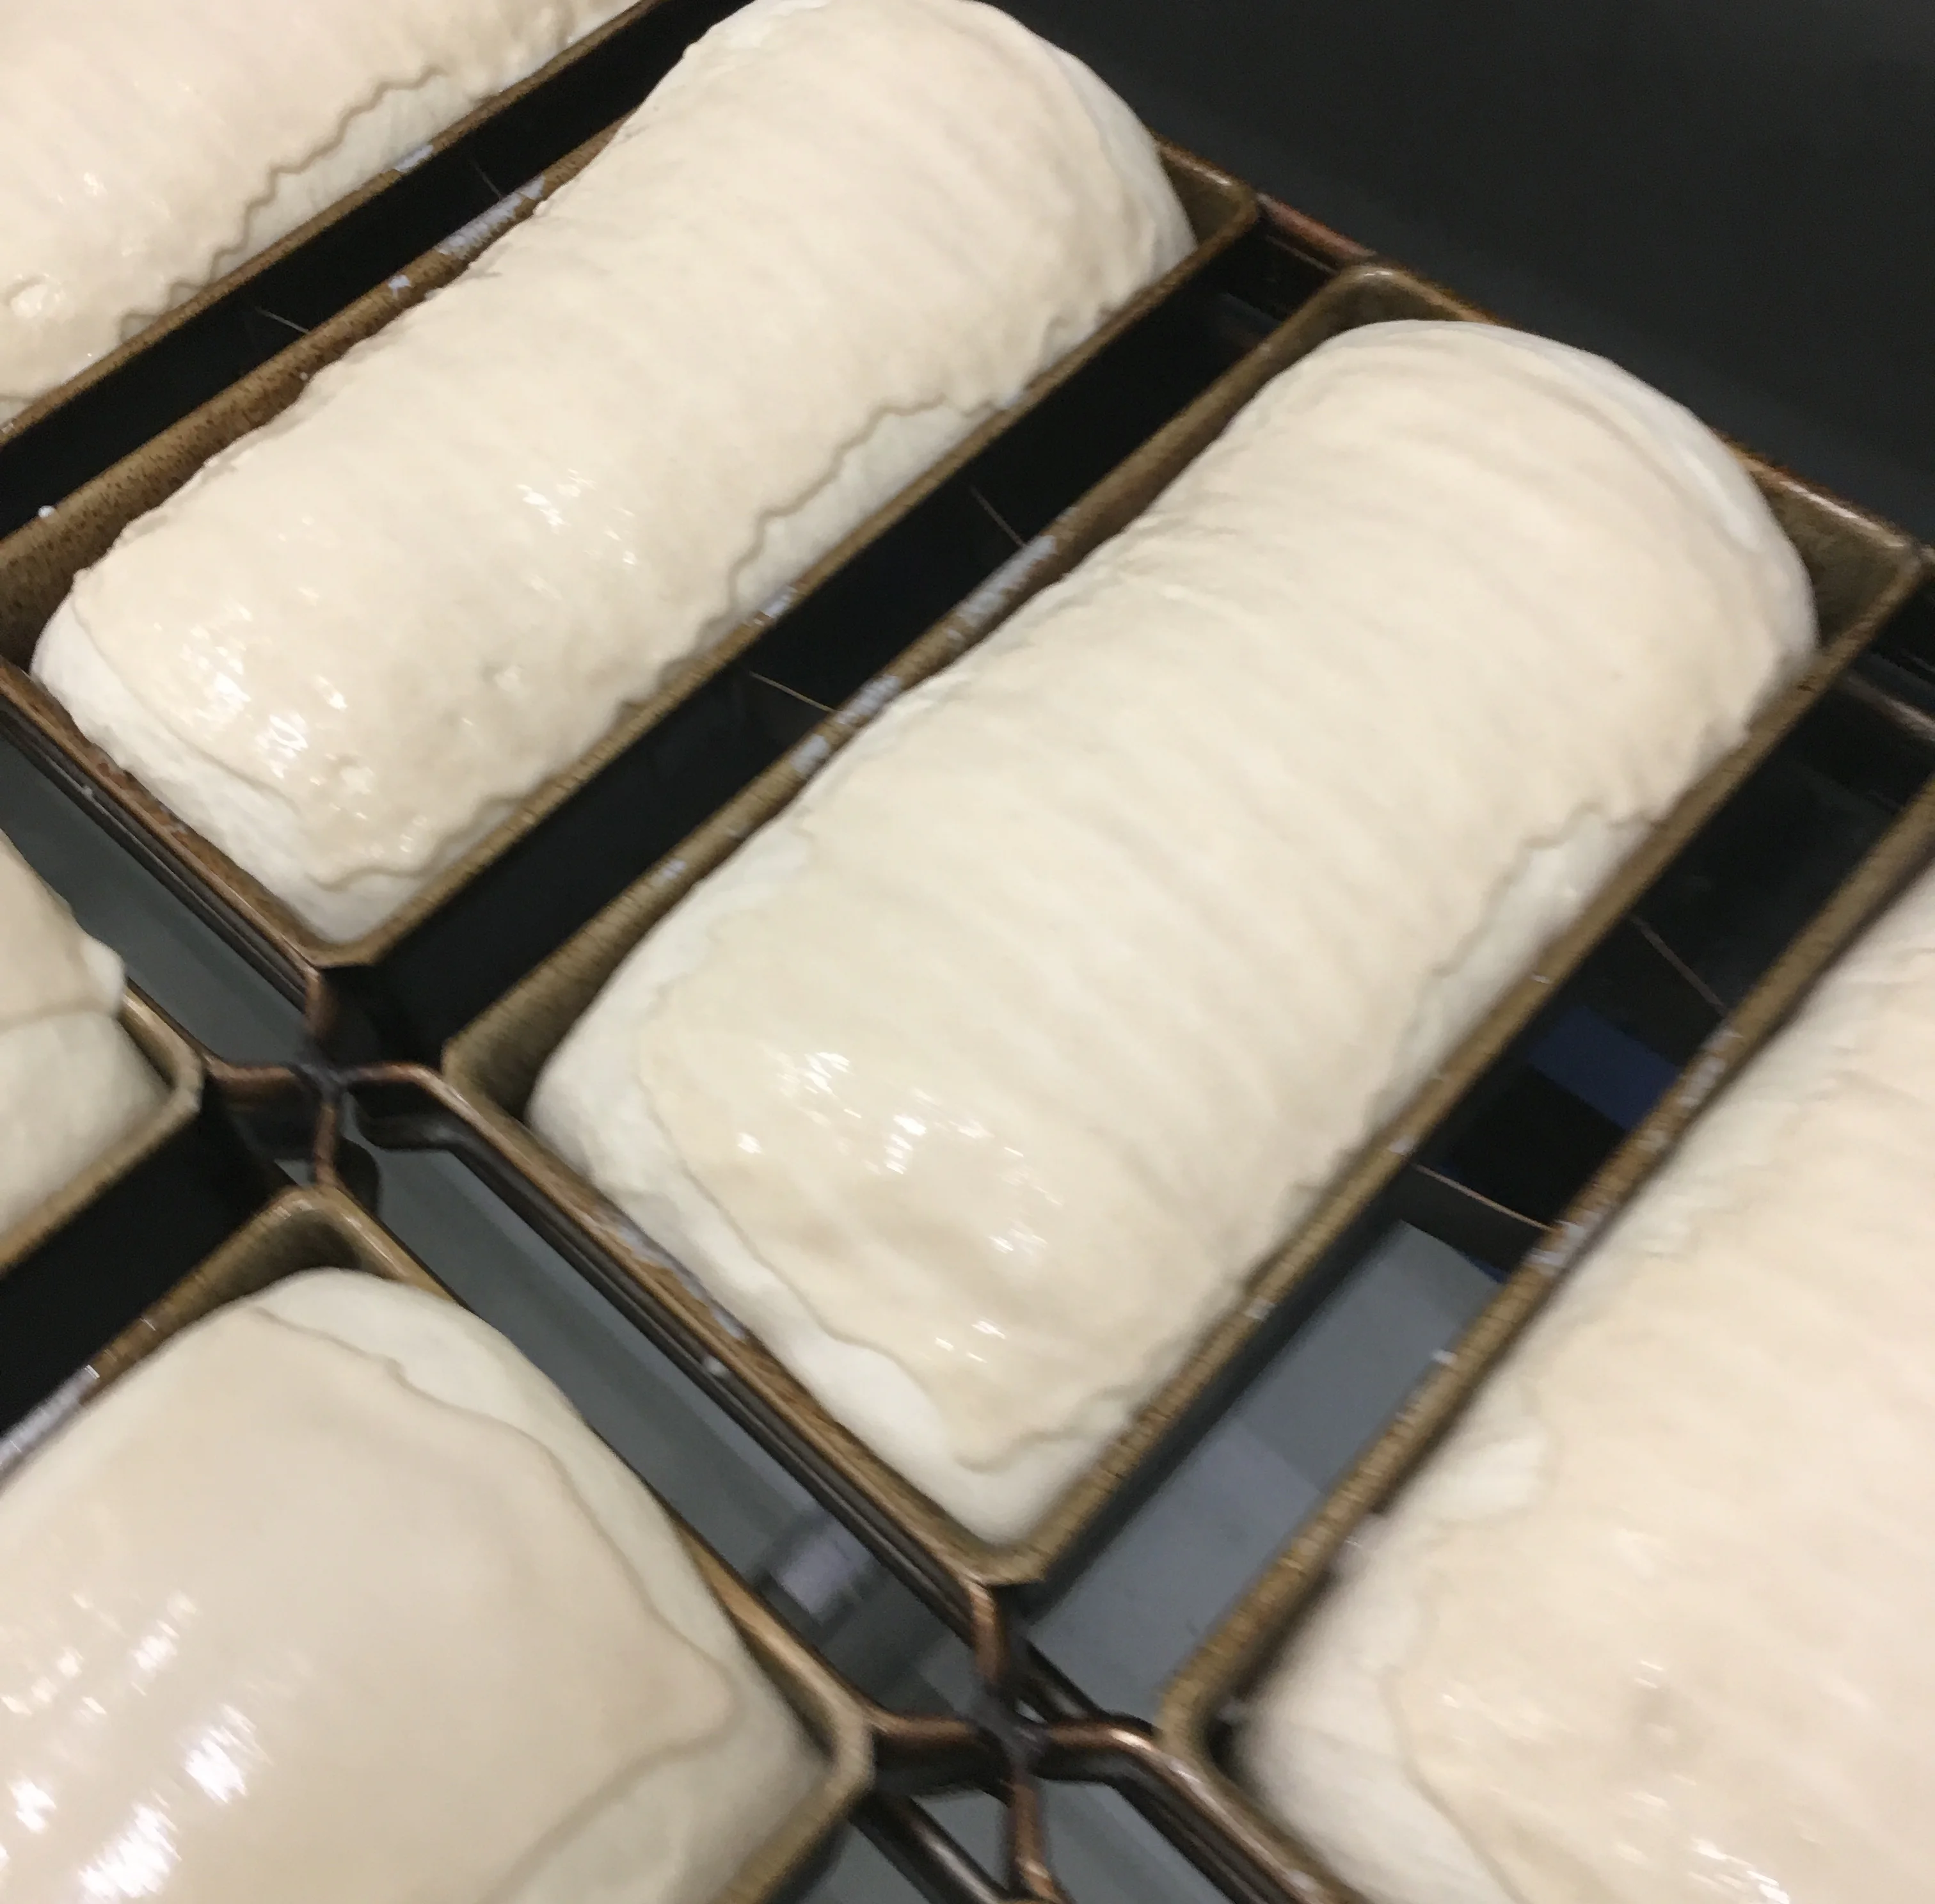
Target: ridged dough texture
335, 1597
976, 1084
1651, 1626
72, 1084
837, 236
145, 149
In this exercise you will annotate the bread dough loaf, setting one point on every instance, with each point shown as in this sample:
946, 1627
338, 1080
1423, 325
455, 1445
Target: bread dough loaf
145, 150
1651, 1626
976, 1082
838, 236
336, 1597
72, 1084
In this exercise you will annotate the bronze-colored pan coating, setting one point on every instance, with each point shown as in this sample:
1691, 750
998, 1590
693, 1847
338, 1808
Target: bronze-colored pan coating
1860, 571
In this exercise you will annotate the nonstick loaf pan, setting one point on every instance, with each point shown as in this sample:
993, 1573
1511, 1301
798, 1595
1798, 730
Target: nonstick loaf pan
1860, 570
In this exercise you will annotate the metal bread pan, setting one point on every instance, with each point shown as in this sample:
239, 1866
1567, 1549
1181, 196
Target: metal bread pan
312, 1229
1861, 571
39, 561
178, 1065
88, 1261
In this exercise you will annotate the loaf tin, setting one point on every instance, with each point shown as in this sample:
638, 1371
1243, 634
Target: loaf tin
1188, 1760
312, 1229
176, 1062
39, 561
1861, 571
307, 265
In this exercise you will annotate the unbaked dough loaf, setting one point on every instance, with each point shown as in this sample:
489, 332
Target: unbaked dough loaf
335, 1597
976, 1082
72, 1085
840, 235
146, 150
1652, 1627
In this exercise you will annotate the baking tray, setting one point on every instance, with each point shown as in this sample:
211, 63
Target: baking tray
312, 1229
1761, 868
246, 316
1187, 1776
179, 1066
39, 561
1861, 571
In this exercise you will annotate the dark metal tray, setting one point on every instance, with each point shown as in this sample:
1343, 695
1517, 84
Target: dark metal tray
1752, 889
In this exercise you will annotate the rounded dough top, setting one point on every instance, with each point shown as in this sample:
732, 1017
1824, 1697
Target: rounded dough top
146, 148
334, 1596
978, 1081
833, 240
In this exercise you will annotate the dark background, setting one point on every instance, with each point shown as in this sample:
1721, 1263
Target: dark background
1736, 198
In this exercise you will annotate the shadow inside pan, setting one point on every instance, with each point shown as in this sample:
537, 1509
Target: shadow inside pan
1594, 1064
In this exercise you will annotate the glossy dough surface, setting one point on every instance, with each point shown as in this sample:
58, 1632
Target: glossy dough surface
72, 1085
336, 1597
975, 1084
839, 235
1651, 1627
145, 149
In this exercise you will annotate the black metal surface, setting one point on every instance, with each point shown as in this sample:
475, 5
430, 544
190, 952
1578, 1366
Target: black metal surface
122, 1252
1729, 198
397, 1112
1545, 1118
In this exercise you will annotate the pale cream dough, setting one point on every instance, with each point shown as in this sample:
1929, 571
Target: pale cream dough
838, 236
1650, 1628
974, 1085
145, 150
72, 1084
336, 1596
